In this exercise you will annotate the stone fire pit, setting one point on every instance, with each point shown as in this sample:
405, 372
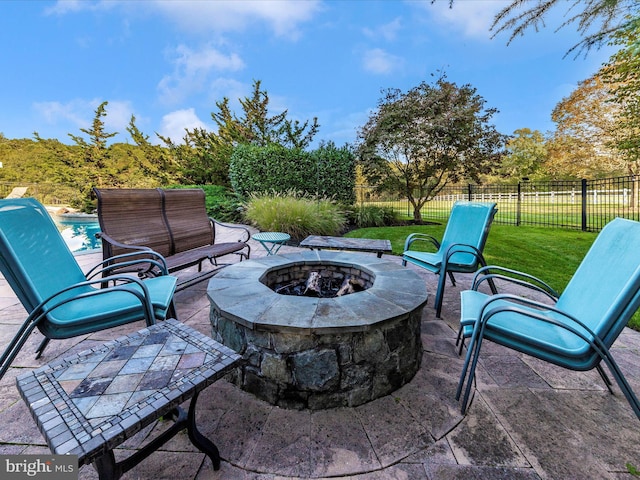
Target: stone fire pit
303, 352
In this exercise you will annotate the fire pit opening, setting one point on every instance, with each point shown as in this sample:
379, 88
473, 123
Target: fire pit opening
318, 280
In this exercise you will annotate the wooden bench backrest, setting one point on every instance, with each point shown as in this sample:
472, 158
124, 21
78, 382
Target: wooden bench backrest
134, 217
186, 217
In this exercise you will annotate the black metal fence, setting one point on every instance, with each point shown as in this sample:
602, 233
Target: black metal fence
582, 204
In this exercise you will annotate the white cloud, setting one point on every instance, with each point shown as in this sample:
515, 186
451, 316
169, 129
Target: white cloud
192, 69
54, 113
282, 16
472, 17
388, 31
174, 124
381, 62
79, 113
62, 7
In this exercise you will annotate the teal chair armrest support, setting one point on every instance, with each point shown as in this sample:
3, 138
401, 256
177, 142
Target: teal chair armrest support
513, 276
420, 237
450, 252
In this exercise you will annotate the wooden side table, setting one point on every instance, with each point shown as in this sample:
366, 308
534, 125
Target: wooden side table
89, 403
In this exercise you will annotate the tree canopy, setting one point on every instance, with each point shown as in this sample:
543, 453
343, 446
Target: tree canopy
419, 141
525, 156
622, 76
596, 20
206, 158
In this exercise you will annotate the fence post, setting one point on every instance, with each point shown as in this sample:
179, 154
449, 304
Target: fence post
518, 205
469, 194
584, 204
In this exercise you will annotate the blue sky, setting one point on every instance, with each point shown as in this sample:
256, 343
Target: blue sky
168, 62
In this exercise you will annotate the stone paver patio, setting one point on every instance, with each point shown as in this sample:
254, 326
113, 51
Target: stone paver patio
527, 420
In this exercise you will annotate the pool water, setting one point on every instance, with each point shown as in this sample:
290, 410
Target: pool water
80, 235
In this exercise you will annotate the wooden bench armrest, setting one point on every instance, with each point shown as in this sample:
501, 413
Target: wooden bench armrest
246, 235
112, 241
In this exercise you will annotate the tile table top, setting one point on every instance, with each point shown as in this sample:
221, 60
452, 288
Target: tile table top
89, 403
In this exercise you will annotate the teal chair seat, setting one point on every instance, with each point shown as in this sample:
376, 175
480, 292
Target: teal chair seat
61, 300
109, 309
574, 332
461, 248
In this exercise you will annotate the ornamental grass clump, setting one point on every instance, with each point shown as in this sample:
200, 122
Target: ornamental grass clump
297, 215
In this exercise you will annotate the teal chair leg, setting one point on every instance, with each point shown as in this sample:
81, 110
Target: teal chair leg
41, 347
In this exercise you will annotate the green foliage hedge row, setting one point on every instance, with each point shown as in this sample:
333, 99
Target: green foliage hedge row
326, 172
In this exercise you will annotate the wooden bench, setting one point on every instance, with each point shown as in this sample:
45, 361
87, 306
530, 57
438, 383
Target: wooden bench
171, 222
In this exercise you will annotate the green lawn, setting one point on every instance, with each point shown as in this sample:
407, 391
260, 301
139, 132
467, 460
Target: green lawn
547, 253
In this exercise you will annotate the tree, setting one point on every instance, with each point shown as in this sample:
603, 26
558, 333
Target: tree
526, 155
153, 160
207, 161
417, 142
586, 128
93, 169
609, 16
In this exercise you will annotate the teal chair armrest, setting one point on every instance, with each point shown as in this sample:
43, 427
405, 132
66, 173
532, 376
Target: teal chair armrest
491, 272
119, 261
420, 237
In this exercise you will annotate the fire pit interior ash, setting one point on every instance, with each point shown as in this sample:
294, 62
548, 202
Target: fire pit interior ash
327, 282
320, 352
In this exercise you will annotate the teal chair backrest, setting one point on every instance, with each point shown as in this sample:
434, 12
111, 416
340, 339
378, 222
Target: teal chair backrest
604, 292
34, 258
468, 224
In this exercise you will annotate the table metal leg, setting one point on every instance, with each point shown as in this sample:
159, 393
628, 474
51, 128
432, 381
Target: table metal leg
200, 441
109, 469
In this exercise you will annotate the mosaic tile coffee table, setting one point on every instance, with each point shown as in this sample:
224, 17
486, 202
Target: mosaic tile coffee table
90, 403
343, 243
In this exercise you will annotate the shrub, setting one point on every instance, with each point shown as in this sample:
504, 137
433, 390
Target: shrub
373, 216
299, 216
326, 172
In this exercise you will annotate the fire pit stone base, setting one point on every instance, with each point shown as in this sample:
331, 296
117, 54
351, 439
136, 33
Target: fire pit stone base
317, 353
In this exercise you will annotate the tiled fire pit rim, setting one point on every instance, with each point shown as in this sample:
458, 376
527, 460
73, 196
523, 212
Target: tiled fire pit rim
394, 292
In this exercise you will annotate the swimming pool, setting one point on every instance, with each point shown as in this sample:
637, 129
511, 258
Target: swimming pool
79, 233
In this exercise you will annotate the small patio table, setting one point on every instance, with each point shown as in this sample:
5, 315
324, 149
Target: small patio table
271, 241
89, 403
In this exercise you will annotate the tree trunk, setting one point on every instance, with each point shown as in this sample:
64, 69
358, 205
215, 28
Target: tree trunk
417, 215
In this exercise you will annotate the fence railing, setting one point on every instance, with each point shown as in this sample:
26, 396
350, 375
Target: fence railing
582, 204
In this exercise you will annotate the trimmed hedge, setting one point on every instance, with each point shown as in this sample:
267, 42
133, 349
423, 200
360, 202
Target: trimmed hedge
326, 172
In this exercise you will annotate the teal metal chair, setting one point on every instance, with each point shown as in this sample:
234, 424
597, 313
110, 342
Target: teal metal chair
577, 331
61, 300
460, 249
